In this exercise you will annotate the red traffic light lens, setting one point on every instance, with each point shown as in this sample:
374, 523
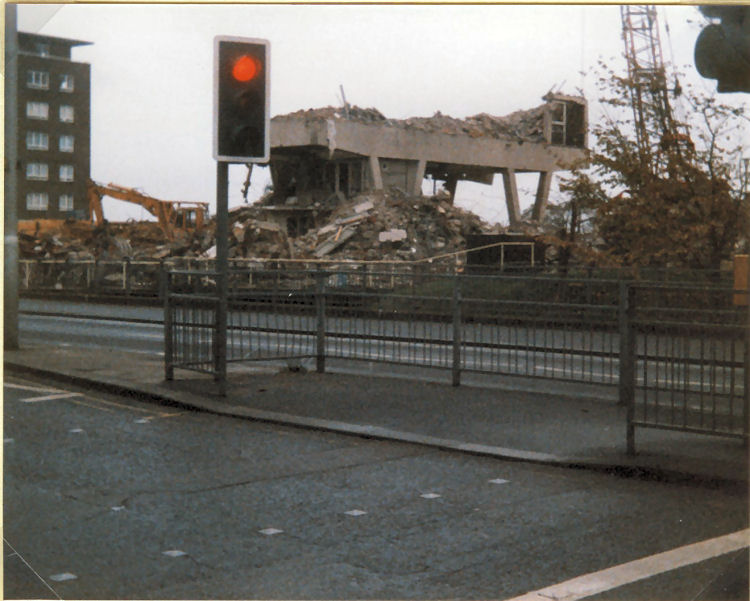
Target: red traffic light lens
245, 68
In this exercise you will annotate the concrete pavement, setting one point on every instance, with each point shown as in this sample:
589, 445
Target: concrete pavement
547, 428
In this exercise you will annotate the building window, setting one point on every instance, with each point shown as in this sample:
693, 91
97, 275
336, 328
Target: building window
37, 110
36, 140
67, 114
66, 173
66, 143
37, 201
42, 49
67, 83
37, 79
38, 171
66, 202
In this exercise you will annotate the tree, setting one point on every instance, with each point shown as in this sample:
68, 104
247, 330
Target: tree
569, 224
675, 205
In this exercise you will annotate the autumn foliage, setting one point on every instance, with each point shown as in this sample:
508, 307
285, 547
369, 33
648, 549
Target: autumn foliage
677, 204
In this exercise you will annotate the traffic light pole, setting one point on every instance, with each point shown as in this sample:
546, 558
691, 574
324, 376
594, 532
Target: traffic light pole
241, 135
222, 275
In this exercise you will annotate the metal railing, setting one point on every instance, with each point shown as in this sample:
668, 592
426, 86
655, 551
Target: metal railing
678, 353
132, 276
685, 360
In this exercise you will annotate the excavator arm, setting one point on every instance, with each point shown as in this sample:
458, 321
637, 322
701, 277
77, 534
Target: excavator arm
165, 211
96, 215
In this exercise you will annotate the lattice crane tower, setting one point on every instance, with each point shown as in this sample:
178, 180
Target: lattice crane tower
659, 137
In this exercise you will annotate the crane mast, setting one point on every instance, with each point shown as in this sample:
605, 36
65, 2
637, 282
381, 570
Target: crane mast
659, 139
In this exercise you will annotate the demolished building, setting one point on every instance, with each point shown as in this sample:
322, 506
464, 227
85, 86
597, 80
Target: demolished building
349, 151
347, 185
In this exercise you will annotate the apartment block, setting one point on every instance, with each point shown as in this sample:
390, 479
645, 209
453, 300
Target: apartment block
54, 128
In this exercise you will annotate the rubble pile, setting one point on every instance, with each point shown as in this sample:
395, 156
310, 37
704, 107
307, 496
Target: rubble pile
382, 226
524, 125
72, 240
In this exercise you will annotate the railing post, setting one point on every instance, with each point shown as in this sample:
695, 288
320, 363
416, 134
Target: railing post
320, 310
456, 306
161, 281
126, 276
168, 316
96, 279
627, 360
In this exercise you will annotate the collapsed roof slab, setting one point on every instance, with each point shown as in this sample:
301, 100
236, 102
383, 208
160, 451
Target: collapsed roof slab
385, 142
549, 138
437, 140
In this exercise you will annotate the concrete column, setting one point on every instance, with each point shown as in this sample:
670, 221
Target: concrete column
542, 195
415, 185
450, 185
511, 197
377, 178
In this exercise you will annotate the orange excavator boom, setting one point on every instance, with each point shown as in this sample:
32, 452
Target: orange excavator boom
170, 214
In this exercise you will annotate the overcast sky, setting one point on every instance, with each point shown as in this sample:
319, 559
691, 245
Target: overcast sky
151, 71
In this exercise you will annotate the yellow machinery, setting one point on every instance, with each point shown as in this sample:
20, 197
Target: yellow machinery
172, 215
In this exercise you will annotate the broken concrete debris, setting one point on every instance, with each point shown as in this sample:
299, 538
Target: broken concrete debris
525, 125
395, 235
383, 226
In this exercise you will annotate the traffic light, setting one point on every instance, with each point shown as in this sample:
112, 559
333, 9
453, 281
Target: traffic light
241, 100
722, 51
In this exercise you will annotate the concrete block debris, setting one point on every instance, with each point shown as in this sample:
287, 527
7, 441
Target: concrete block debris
395, 235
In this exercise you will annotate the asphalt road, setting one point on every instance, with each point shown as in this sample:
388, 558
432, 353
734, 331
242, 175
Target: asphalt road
109, 497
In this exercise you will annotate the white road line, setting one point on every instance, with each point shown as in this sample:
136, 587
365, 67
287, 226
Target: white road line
26, 563
32, 388
51, 397
614, 577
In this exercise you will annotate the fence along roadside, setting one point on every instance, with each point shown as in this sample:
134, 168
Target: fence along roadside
680, 367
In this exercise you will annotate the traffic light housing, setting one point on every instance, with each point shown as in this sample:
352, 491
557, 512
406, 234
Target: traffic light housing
722, 50
241, 100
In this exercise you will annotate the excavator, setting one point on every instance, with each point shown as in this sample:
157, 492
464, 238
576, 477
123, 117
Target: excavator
172, 215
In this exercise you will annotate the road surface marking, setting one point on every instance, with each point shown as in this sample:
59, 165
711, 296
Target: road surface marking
120, 405
617, 576
174, 553
26, 563
355, 512
151, 418
498, 481
270, 531
91, 406
430, 495
166, 415
33, 388
63, 577
51, 397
